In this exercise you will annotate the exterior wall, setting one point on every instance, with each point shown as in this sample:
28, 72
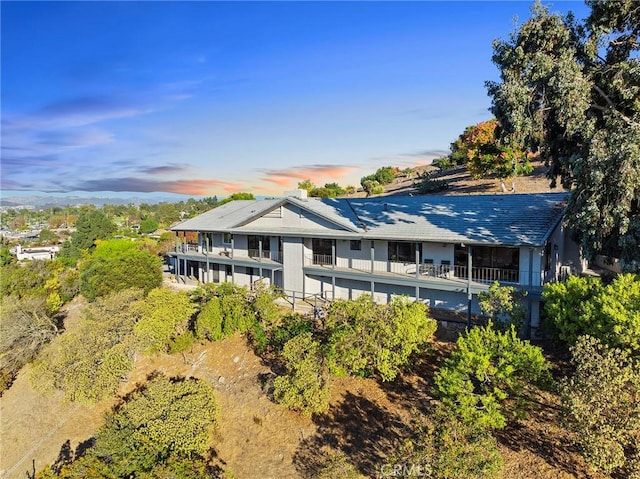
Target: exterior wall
292, 252
438, 252
291, 217
536, 263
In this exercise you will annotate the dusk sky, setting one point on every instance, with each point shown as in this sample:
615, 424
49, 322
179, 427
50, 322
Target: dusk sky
212, 98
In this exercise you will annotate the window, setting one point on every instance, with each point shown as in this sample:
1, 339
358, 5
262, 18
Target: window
254, 243
228, 271
490, 263
322, 251
403, 252
227, 237
356, 245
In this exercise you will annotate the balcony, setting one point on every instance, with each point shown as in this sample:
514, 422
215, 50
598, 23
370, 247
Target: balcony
270, 255
407, 270
322, 259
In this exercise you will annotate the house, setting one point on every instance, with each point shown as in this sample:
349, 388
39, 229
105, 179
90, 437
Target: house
442, 250
40, 252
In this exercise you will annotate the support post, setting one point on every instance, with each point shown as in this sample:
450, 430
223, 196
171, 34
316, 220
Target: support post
333, 254
527, 331
373, 257
469, 295
260, 258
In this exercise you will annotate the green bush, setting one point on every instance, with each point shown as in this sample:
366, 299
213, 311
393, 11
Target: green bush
116, 265
602, 406
304, 387
89, 362
292, 325
490, 375
584, 306
162, 430
366, 338
503, 304
164, 316
459, 450
208, 325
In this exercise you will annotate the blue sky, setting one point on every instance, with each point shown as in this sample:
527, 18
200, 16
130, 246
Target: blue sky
211, 98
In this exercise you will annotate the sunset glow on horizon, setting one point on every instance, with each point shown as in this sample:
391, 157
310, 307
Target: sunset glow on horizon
213, 98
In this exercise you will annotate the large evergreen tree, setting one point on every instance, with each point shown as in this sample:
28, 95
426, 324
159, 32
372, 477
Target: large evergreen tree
571, 90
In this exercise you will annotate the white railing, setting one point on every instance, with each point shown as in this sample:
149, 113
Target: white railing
322, 259
442, 271
488, 275
265, 254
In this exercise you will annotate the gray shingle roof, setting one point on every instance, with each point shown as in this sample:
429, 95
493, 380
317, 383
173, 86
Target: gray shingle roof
509, 219
513, 219
228, 216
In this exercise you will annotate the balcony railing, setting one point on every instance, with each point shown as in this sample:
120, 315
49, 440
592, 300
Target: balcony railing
323, 259
442, 271
265, 254
488, 275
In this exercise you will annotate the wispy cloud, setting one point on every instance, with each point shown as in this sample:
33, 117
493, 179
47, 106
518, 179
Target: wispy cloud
164, 170
316, 173
197, 187
74, 112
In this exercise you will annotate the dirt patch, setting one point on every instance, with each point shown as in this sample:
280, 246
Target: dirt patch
461, 183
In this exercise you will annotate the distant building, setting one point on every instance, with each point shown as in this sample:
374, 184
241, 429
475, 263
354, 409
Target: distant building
40, 252
441, 250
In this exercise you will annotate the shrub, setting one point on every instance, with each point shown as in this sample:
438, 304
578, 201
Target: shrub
602, 405
426, 184
116, 265
304, 387
88, 363
584, 306
292, 325
164, 316
208, 323
161, 430
503, 305
366, 338
486, 369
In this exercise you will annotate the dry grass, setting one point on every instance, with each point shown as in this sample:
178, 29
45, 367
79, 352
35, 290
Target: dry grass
367, 420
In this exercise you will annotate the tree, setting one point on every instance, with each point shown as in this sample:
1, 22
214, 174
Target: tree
91, 226
489, 376
374, 184
47, 237
503, 305
148, 226
161, 430
366, 338
116, 265
482, 152
306, 185
237, 196
304, 387
602, 406
89, 362
585, 306
164, 316
25, 326
569, 91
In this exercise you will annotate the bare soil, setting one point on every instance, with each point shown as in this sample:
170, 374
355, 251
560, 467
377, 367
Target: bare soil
461, 183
